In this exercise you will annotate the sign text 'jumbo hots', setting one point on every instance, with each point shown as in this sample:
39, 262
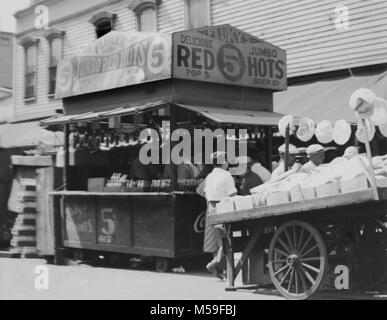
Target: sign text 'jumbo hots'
116, 60
227, 55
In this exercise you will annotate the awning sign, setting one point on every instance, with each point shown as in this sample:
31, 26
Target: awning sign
116, 60
227, 55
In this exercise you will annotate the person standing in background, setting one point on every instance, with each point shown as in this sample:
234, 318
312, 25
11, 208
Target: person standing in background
250, 179
316, 157
280, 170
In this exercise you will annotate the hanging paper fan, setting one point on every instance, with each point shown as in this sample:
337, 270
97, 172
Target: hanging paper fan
306, 129
284, 122
324, 132
379, 116
342, 132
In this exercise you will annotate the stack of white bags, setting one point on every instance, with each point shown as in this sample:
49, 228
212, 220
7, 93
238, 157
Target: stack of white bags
338, 177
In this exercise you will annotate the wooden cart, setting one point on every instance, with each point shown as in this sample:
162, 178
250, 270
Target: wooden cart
163, 226
306, 241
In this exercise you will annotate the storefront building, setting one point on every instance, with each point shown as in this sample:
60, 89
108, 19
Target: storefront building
319, 37
326, 43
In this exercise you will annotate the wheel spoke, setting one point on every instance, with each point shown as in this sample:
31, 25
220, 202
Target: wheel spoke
300, 240
310, 250
291, 280
310, 278
281, 269
308, 266
279, 261
285, 276
294, 238
284, 246
303, 282
311, 259
289, 239
281, 252
306, 243
296, 281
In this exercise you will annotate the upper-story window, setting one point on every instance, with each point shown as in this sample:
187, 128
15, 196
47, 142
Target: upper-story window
103, 22
55, 40
146, 13
198, 13
30, 45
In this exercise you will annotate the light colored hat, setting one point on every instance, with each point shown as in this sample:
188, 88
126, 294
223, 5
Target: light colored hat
284, 122
350, 152
361, 133
379, 116
219, 157
324, 132
240, 166
306, 129
314, 148
292, 149
359, 98
302, 150
342, 132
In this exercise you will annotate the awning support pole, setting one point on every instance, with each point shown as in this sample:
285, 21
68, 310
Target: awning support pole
66, 154
269, 137
369, 156
174, 172
287, 141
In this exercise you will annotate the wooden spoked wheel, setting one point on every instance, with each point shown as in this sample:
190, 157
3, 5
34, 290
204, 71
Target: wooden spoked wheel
297, 260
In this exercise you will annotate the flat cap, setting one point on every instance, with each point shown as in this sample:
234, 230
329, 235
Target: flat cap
314, 148
292, 149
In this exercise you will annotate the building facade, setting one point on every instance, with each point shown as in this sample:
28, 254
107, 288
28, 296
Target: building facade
6, 63
319, 36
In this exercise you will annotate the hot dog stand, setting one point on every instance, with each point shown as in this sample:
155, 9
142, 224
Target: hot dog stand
126, 85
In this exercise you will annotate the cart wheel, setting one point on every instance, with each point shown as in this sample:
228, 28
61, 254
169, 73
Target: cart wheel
297, 260
162, 265
370, 252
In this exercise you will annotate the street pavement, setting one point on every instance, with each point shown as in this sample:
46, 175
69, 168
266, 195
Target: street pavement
18, 279
22, 279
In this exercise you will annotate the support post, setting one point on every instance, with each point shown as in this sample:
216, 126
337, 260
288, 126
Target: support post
174, 172
66, 155
287, 142
369, 156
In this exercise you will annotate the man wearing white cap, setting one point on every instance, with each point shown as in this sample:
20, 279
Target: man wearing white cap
316, 157
277, 173
351, 152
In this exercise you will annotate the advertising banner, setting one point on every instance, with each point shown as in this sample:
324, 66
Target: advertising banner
224, 54
116, 60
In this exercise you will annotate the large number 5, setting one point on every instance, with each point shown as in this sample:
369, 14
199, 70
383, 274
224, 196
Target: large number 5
110, 223
231, 63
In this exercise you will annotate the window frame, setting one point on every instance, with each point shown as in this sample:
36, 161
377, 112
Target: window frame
52, 35
27, 43
188, 22
103, 17
138, 7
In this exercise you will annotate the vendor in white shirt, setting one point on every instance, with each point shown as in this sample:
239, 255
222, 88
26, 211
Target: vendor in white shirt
316, 157
218, 185
280, 171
